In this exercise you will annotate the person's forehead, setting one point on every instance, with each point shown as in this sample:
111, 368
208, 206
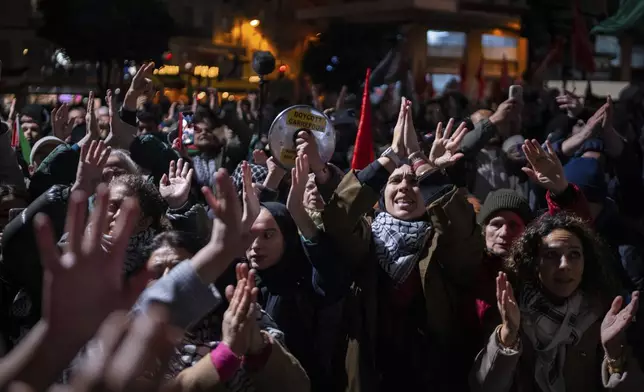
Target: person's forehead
118, 191
113, 160
265, 221
30, 125
506, 216
402, 170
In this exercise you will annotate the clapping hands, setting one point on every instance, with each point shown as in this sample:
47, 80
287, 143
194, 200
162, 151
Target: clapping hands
239, 322
571, 103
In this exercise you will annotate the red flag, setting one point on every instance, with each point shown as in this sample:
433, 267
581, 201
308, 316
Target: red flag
363, 151
581, 45
15, 136
480, 77
463, 75
505, 75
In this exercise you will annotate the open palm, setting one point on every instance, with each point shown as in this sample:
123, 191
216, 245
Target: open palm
175, 186
251, 202
85, 283
299, 178
545, 167
616, 322
444, 152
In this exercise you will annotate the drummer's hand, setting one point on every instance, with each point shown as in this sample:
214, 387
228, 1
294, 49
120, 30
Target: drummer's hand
307, 145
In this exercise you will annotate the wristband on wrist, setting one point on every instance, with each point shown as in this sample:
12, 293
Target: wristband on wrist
225, 361
617, 365
512, 346
389, 153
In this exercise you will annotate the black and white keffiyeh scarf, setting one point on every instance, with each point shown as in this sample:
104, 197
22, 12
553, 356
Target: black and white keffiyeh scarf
258, 174
398, 244
550, 329
205, 168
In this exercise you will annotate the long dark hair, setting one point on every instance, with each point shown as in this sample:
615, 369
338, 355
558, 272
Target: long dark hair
599, 280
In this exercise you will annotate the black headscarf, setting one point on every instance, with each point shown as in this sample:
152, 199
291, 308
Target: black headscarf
285, 276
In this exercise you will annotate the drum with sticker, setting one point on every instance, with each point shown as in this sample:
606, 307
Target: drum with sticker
286, 126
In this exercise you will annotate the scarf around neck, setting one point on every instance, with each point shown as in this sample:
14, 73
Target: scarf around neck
551, 329
398, 244
205, 168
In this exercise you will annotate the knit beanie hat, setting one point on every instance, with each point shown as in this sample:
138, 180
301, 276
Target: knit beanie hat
505, 200
588, 175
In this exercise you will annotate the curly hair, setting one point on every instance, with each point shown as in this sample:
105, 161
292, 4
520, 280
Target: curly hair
599, 280
150, 200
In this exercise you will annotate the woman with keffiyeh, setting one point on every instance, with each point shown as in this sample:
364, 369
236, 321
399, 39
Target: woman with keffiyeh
410, 264
564, 329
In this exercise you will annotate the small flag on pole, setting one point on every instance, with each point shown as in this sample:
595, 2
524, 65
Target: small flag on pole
363, 153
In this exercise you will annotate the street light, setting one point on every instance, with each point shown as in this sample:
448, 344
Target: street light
254, 23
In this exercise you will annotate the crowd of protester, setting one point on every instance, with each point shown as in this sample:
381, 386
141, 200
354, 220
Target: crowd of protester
482, 250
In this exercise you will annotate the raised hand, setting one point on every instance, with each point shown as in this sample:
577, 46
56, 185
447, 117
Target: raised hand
259, 157
295, 201
410, 138
240, 315
172, 111
616, 322
121, 134
571, 103
595, 123
251, 202
398, 143
60, 124
509, 310
227, 240
141, 86
93, 131
299, 178
444, 150
212, 99
506, 116
142, 81
195, 103
93, 158
307, 145
257, 343
85, 284
12, 111
545, 167
275, 174
175, 186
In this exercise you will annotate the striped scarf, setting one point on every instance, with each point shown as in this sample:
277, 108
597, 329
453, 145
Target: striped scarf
205, 169
398, 244
551, 329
